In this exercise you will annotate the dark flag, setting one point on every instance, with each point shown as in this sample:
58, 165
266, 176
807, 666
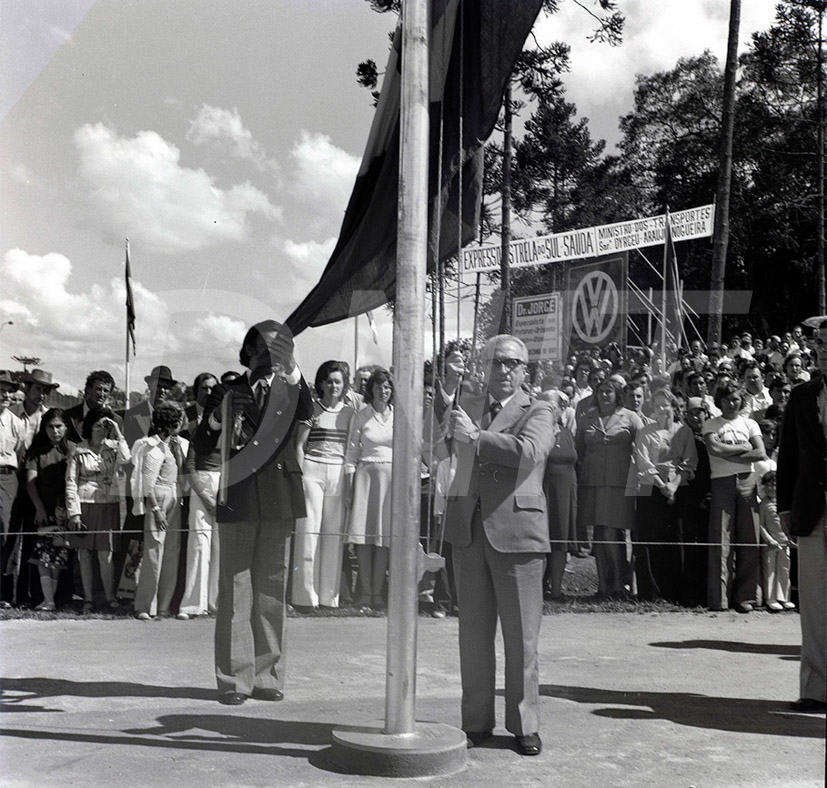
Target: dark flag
473, 48
130, 302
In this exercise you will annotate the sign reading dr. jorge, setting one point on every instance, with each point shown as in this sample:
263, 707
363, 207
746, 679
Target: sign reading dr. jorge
596, 303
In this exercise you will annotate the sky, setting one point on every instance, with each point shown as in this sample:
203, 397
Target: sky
223, 137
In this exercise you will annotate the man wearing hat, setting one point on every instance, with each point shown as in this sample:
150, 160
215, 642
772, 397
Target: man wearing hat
251, 418
38, 385
137, 421
800, 484
12, 434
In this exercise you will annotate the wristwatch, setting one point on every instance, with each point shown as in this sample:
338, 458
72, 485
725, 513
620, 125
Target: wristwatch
156, 508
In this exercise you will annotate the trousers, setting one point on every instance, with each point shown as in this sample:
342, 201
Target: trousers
201, 586
508, 586
319, 539
251, 618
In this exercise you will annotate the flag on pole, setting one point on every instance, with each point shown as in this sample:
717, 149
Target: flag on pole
373, 332
130, 302
473, 49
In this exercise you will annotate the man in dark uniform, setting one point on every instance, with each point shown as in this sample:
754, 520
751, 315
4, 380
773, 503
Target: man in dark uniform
801, 485
252, 418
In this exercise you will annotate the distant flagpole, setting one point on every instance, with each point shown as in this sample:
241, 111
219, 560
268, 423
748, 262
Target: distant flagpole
666, 239
130, 322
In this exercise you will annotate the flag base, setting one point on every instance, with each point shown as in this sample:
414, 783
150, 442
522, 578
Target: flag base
432, 749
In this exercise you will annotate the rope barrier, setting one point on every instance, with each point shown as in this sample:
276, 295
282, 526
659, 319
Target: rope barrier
388, 538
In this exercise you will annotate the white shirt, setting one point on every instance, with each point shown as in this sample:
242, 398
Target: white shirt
12, 432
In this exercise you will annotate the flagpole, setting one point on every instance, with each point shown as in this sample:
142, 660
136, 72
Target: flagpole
663, 297
127, 381
355, 347
405, 748
408, 357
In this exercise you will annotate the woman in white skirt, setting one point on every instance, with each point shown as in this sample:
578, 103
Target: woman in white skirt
368, 485
319, 538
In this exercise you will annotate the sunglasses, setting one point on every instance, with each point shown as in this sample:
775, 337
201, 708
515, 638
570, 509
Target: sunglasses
509, 363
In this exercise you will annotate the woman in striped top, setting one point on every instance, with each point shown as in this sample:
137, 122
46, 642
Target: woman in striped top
319, 539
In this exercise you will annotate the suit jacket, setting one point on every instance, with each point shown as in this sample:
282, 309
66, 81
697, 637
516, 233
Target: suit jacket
263, 477
75, 416
137, 422
802, 468
503, 475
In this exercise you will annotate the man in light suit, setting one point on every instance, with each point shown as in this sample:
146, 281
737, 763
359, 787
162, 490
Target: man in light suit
801, 485
497, 525
255, 413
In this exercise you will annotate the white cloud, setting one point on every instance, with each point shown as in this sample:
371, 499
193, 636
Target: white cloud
224, 126
602, 78
75, 332
306, 261
220, 332
59, 34
141, 190
322, 177
309, 257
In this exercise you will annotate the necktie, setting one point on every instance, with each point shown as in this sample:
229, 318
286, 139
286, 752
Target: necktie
494, 408
261, 394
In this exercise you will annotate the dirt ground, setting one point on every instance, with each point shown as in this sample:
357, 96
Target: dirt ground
628, 699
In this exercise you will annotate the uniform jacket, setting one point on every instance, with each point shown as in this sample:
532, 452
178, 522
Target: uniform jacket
503, 475
263, 477
800, 482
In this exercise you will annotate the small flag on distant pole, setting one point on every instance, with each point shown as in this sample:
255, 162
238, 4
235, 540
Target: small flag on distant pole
373, 332
130, 302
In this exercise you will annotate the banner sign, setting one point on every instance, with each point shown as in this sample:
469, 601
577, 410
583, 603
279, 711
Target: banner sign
538, 321
592, 241
596, 299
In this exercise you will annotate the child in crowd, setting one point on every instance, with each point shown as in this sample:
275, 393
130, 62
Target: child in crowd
775, 551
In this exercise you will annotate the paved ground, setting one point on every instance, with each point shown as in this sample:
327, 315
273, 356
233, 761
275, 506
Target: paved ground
660, 699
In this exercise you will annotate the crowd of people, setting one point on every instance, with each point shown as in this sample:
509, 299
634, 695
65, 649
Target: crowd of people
667, 474
670, 487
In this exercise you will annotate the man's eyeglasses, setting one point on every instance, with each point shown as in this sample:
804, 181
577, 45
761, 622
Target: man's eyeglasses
509, 363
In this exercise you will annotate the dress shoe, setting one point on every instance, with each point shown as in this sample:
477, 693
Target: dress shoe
808, 705
231, 698
774, 607
788, 605
529, 745
743, 607
477, 738
143, 616
267, 694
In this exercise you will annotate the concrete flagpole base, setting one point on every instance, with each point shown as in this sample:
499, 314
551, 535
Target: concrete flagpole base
432, 749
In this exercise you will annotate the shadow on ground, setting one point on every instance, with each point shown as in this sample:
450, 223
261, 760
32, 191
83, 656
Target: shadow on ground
36, 688
743, 715
205, 732
732, 646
